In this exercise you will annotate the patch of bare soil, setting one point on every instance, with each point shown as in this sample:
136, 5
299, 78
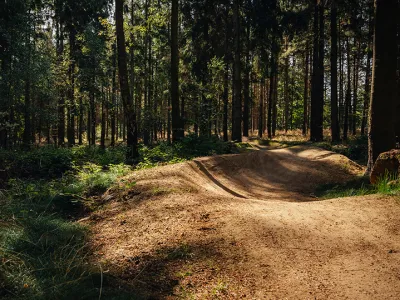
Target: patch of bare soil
248, 226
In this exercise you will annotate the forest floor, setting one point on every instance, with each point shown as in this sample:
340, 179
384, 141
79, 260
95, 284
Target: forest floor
248, 226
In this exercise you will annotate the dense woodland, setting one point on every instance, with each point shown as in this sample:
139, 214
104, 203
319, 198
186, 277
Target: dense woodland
92, 90
97, 72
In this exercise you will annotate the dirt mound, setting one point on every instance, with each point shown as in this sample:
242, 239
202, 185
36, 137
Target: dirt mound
246, 226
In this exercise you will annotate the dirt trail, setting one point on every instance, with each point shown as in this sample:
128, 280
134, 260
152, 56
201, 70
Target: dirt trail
248, 226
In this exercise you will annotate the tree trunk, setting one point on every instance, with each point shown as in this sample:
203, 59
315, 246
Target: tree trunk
246, 85
80, 127
129, 111
113, 97
226, 96
71, 92
61, 99
335, 129
260, 110
347, 100
275, 100
92, 118
305, 95
317, 96
177, 130
341, 80
27, 115
286, 86
397, 119
103, 121
355, 89
367, 86
146, 106
270, 102
381, 135
237, 99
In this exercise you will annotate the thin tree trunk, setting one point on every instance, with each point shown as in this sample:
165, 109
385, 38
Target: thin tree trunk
317, 96
335, 129
355, 89
246, 85
71, 92
177, 130
225, 97
348, 94
286, 86
103, 121
114, 136
367, 86
61, 99
93, 118
129, 111
80, 127
275, 101
305, 95
260, 110
27, 115
237, 99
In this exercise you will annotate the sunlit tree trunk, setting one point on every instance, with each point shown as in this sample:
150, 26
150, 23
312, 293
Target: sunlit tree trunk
367, 86
347, 99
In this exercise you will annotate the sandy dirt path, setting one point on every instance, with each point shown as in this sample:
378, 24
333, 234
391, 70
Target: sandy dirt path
247, 226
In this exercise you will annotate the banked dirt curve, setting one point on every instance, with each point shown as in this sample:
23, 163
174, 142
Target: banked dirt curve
248, 227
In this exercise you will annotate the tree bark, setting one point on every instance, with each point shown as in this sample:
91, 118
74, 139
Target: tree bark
61, 99
286, 86
347, 99
305, 95
367, 86
317, 96
237, 99
130, 117
246, 85
177, 130
113, 97
381, 135
71, 92
335, 129
80, 127
225, 99
355, 89
103, 121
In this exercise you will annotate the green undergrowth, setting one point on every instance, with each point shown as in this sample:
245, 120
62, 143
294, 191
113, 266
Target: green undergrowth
43, 251
387, 185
